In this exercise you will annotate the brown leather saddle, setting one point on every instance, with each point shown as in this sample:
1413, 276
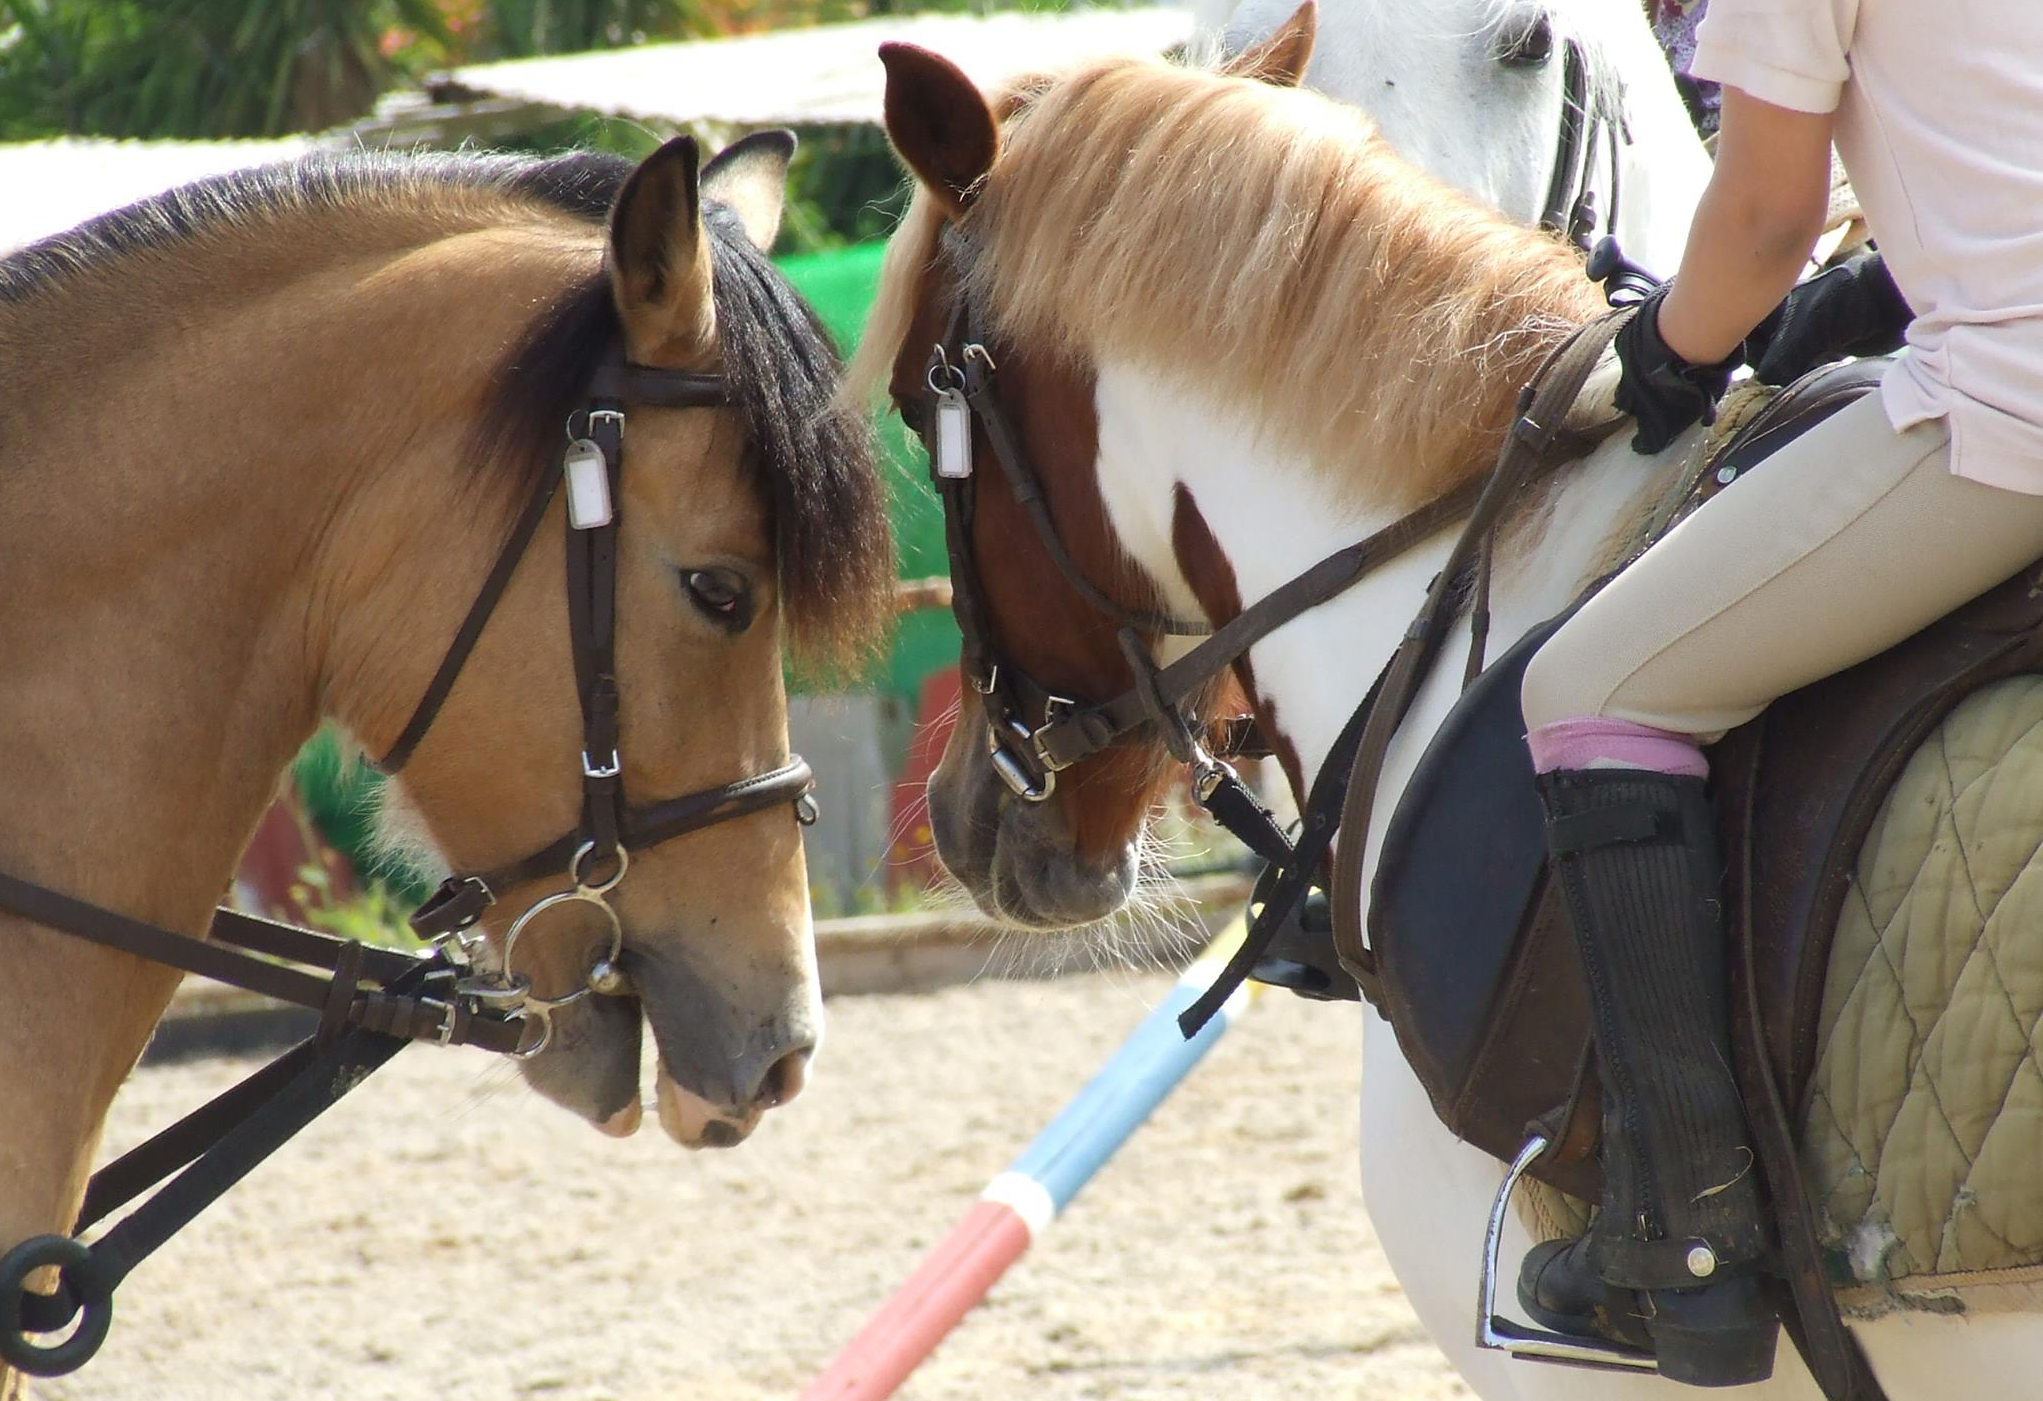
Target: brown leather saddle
1478, 973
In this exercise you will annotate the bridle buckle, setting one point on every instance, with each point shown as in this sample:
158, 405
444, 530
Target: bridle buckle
1018, 773
1209, 773
609, 770
451, 911
443, 1034
1013, 770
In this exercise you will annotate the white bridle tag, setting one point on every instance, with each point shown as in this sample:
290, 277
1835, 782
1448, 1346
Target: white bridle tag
588, 485
953, 436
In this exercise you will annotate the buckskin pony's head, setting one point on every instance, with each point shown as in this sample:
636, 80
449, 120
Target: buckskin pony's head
265, 436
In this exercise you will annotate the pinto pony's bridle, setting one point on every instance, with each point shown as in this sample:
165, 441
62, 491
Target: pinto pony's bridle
376, 1001
961, 378
1029, 753
1035, 732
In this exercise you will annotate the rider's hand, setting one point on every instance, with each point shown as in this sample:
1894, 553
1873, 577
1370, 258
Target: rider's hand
1664, 392
1851, 309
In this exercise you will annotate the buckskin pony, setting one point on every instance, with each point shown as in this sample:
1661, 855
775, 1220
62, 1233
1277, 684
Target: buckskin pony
1232, 333
264, 437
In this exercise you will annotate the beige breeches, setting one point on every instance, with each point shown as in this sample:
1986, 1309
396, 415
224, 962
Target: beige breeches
1847, 541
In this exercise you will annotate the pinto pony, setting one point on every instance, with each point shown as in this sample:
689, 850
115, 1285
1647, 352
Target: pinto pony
1234, 333
263, 437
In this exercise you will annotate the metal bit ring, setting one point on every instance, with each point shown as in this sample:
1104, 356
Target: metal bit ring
587, 895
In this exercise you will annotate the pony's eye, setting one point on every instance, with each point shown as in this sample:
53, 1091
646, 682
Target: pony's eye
1525, 42
721, 594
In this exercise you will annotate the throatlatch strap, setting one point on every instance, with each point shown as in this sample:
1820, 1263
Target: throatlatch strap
470, 631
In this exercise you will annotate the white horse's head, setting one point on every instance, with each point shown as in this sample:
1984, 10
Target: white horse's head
1472, 91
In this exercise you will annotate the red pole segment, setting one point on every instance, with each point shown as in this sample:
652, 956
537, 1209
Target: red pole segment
1020, 1203
954, 1277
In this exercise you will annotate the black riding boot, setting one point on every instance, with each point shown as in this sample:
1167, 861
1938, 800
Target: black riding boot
1671, 1261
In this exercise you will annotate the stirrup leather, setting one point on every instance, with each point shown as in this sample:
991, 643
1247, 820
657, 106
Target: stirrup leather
1495, 1333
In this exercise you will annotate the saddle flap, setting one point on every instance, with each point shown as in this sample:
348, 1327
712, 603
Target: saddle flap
1480, 977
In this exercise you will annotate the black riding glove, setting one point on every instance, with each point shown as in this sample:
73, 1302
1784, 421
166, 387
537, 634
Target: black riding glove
1851, 309
1664, 392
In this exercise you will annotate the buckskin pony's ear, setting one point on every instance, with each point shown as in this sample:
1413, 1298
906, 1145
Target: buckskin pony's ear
1280, 60
939, 122
659, 257
749, 176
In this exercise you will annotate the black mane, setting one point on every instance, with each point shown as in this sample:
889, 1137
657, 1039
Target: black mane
815, 458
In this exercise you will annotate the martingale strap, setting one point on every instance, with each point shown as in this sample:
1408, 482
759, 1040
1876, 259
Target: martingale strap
1355, 762
209, 1151
1543, 407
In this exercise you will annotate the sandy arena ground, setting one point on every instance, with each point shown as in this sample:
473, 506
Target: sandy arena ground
445, 1234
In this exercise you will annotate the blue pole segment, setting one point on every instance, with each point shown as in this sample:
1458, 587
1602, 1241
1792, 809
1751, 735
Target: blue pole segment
1099, 1119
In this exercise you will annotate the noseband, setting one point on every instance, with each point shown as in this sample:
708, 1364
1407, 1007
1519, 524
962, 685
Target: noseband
596, 854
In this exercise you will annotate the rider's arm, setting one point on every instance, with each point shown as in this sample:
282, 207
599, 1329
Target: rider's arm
1753, 231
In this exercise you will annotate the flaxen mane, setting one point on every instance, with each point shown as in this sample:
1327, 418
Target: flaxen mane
813, 456
1263, 243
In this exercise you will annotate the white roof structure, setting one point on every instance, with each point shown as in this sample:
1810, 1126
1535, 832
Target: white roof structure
53, 185
830, 73
827, 74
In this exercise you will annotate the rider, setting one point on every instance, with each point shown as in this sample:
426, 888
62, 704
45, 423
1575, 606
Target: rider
1871, 526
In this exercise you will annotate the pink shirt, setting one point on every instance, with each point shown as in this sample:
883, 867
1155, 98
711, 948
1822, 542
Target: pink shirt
1940, 124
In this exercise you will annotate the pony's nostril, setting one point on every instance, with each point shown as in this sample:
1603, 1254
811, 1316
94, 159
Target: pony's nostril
719, 1134
784, 1079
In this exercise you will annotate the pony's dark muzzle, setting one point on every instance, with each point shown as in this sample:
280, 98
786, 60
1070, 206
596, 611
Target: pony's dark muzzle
1017, 858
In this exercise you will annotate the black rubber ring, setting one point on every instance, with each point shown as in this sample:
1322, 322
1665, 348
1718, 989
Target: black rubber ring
79, 1270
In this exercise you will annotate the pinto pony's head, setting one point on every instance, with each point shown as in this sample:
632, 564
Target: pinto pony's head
1074, 856
1215, 235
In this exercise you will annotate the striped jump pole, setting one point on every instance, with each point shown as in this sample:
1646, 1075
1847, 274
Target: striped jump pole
1017, 1205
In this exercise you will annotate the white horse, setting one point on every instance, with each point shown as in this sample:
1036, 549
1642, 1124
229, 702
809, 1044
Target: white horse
1249, 414
1471, 91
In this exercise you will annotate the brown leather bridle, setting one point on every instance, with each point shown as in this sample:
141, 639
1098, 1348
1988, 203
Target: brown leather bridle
596, 854
1034, 733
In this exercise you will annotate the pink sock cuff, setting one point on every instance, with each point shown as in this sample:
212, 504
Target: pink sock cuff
1596, 742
